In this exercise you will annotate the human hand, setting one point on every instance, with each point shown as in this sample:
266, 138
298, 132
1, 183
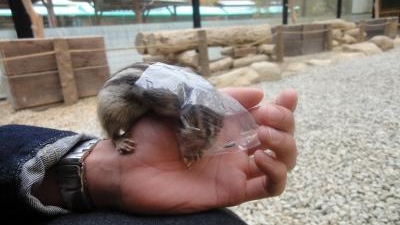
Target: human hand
154, 179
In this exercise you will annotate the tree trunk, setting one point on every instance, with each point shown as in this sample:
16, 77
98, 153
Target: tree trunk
21, 19
36, 20
50, 11
138, 11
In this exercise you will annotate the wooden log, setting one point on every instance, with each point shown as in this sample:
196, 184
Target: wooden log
221, 65
227, 51
268, 49
164, 42
65, 71
159, 58
141, 42
189, 58
246, 61
244, 51
337, 34
171, 43
353, 32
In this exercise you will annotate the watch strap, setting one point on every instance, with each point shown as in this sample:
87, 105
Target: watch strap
70, 172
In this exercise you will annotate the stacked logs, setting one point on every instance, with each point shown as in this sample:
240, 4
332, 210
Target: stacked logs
344, 32
240, 46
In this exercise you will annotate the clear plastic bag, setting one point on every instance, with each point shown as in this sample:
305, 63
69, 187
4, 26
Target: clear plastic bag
212, 122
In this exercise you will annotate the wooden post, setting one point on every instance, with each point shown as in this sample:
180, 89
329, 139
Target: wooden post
279, 43
293, 14
391, 27
339, 9
285, 9
329, 37
196, 13
202, 47
377, 8
51, 15
65, 71
361, 31
36, 20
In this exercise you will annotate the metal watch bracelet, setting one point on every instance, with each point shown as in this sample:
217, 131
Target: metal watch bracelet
70, 173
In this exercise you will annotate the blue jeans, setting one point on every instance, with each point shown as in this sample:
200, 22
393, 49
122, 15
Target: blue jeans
212, 217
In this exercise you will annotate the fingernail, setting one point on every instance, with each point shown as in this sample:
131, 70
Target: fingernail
270, 153
265, 157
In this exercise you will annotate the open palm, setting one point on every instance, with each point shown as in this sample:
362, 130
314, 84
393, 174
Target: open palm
155, 180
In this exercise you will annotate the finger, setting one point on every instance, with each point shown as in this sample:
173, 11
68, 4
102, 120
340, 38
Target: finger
248, 97
275, 116
272, 183
253, 170
288, 99
282, 144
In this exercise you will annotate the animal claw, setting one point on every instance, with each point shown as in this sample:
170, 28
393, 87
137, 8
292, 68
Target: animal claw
126, 146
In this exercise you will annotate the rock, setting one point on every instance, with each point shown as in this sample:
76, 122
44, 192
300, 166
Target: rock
268, 49
353, 32
238, 77
339, 24
348, 39
396, 42
294, 68
367, 48
383, 42
267, 71
337, 34
347, 56
319, 62
248, 60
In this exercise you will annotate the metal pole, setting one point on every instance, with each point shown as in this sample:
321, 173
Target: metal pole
373, 9
339, 9
285, 13
196, 14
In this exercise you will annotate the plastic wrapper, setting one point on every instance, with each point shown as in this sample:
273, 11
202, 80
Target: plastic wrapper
211, 121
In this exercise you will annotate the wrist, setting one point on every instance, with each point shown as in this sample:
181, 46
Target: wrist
71, 178
103, 176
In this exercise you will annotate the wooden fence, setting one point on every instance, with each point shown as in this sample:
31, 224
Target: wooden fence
38, 72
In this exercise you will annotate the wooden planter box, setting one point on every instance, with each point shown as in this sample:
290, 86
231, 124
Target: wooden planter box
38, 72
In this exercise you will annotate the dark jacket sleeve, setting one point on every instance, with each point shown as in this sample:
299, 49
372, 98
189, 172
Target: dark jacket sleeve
18, 145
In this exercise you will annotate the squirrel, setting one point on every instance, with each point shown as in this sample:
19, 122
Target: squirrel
121, 102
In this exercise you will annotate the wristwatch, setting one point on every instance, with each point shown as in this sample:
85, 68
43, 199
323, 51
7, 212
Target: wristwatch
70, 173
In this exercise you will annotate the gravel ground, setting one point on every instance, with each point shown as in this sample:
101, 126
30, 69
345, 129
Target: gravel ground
348, 137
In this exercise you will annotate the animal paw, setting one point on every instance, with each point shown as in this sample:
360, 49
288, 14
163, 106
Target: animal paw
126, 146
190, 160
